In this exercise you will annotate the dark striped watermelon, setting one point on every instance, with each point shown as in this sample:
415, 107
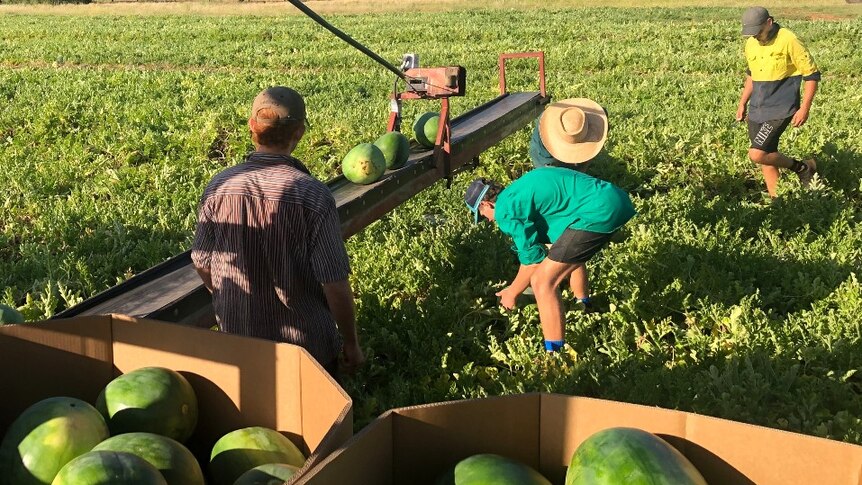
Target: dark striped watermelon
109, 468
47, 436
9, 314
241, 450
630, 456
425, 129
489, 469
395, 148
175, 462
270, 474
151, 400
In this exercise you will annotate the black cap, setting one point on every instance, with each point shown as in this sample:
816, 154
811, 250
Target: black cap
753, 19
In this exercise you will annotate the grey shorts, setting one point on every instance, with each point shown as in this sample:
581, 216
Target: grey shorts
575, 246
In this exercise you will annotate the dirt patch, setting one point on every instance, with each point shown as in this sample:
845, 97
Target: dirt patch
814, 15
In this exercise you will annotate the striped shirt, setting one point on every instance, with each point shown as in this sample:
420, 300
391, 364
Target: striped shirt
269, 234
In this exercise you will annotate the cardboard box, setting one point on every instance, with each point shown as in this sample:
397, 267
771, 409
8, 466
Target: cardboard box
239, 381
416, 444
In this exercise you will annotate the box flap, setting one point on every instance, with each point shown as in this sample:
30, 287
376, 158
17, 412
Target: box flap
366, 458
765, 455
237, 377
60, 358
429, 439
327, 411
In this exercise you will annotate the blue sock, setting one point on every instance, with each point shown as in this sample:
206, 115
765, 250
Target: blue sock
585, 300
554, 345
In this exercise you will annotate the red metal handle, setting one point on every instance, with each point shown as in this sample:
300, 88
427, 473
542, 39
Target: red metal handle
521, 55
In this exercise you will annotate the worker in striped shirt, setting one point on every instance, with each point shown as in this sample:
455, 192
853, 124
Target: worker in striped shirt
268, 243
778, 63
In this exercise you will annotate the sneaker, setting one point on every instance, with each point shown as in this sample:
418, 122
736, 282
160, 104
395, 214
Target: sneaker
807, 174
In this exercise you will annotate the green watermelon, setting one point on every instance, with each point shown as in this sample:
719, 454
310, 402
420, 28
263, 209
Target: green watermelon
170, 457
151, 400
46, 436
488, 469
364, 164
269, 474
425, 129
109, 468
239, 451
395, 148
632, 456
10, 315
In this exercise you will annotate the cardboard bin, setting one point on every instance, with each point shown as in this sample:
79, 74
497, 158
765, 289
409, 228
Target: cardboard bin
239, 381
414, 445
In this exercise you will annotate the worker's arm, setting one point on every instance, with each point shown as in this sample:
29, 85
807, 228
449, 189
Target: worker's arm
519, 284
339, 298
206, 277
801, 116
518, 223
202, 247
810, 77
747, 88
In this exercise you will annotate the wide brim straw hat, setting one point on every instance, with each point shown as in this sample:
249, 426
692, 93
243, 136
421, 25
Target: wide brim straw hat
574, 130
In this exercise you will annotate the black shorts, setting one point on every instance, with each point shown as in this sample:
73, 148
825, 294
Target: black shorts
764, 136
576, 246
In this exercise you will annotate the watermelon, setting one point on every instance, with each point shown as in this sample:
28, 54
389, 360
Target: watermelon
364, 164
175, 462
109, 468
395, 148
151, 400
425, 129
488, 469
10, 315
239, 451
632, 456
46, 436
269, 474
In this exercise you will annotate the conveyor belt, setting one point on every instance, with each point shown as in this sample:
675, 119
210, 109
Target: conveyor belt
172, 290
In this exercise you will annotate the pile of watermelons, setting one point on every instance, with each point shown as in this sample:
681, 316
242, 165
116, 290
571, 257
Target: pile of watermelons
614, 456
367, 162
134, 435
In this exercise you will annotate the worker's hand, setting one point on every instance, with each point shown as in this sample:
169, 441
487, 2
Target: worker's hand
507, 298
799, 118
353, 357
740, 113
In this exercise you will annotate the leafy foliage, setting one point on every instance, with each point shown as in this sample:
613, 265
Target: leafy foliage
712, 300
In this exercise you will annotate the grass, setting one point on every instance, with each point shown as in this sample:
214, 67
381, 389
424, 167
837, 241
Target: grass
784, 8
712, 301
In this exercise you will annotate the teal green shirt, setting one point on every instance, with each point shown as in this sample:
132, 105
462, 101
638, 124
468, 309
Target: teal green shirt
535, 209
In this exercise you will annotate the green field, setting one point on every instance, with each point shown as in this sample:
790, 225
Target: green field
714, 301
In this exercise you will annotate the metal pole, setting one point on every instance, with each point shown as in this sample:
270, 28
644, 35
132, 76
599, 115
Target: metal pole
346, 38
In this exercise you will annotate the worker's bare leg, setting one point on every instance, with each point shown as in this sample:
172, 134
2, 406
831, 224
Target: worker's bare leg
769, 165
545, 283
579, 281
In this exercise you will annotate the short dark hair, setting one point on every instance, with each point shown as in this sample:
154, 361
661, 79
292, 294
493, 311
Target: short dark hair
278, 134
494, 190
